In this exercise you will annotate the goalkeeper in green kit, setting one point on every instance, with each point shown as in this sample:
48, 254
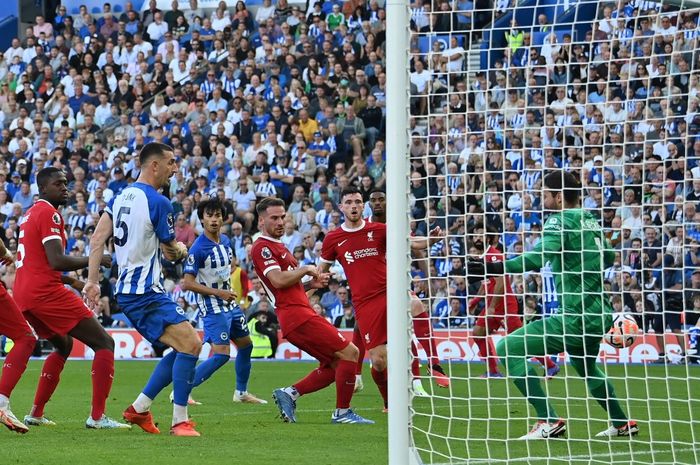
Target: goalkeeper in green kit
573, 242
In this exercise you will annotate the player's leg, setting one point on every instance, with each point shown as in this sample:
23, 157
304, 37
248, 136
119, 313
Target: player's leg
515, 349
217, 332
379, 371
50, 374
484, 326
14, 326
424, 333
240, 335
584, 362
372, 321
360, 344
91, 333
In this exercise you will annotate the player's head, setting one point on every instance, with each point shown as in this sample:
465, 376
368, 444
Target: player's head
377, 202
351, 204
562, 189
157, 163
53, 186
271, 215
211, 214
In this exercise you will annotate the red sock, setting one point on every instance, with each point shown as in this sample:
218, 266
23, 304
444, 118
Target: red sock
16, 363
344, 383
50, 375
360, 343
380, 378
424, 333
316, 380
545, 361
485, 350
415, 364
102, 377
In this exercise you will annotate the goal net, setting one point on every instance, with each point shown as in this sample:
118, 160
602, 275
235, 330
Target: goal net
501, 94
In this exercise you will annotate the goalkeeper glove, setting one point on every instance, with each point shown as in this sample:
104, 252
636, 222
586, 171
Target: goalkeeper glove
478, 268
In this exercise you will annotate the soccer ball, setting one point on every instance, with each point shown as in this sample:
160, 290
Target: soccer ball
623, 331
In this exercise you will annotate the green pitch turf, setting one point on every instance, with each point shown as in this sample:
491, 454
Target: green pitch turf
478, 423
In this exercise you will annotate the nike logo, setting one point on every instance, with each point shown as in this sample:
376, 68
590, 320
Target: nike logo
341, 243
284, 255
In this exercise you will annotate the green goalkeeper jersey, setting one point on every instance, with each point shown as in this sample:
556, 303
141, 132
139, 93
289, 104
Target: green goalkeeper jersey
574, 244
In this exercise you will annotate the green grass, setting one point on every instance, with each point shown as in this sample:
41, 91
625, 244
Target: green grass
477, 424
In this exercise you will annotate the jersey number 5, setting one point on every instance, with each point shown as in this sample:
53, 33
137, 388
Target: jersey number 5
20, 252
121, 224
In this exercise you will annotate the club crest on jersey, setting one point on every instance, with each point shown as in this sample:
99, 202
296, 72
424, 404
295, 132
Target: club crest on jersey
265, 252
56, 218
171, 220
179, 310
190, 259
370, 236
224, 336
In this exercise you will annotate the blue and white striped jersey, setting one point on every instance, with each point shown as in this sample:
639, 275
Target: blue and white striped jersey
210, 263
549, 287
142, 219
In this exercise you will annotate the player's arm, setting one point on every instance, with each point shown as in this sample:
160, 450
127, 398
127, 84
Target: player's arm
5, 255
422, 242
173, 250
474, 301
497, 297
59, 261
284, 279
76, 284
103, 231
190, 284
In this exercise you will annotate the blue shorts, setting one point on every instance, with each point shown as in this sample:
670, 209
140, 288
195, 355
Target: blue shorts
220, 328
151, 313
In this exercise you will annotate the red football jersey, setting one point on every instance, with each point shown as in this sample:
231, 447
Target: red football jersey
362, 253
291, 304
495, 255
35, 278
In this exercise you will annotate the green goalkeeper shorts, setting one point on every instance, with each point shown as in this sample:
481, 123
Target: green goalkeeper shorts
553, 335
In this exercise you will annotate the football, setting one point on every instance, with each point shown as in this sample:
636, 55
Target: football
623, 331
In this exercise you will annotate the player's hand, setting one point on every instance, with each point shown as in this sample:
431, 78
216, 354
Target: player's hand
476, 270
91, 295
228, 296
106, 260
312, 271
320, 282
435, 235
181, 250
7, 258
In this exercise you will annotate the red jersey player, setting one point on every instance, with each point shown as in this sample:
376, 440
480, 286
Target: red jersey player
14, 326
285, 284
501, 305
56, 313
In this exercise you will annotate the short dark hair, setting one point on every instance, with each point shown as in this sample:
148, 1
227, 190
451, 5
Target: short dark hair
566, 183
350, 190
45, 175
210, 206
268, 202
153, 149
377, 190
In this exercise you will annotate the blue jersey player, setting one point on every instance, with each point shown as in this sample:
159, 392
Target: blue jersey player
141, 221
208, 274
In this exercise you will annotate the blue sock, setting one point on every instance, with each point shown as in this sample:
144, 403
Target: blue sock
208, 367
183, 377
693, 335
243, 368
162, 376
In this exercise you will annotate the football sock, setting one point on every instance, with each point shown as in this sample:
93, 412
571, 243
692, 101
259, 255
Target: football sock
102, 377
344, 383
142, 403
243, 367
4, 401
161, 377
183, 377
380, 379
208, 367
600, 388
486, 352
293, 393
545, 362
316, 380
424, 333
179, 414
15, 364
360, 343
50, 375
530, 387
415, 364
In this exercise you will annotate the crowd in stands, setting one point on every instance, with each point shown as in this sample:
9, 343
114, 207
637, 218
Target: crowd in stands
290, 101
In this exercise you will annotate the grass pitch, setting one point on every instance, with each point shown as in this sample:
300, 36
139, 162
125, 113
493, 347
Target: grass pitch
473, 422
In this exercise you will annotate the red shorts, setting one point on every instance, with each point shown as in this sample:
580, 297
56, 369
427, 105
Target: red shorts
318, 338
371, 319
510, 320
58, 316
12, 322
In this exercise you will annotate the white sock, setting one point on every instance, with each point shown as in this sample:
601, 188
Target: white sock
341, 411
358, 378
179, 414
241, 393
292, 392
142, 403
4, 401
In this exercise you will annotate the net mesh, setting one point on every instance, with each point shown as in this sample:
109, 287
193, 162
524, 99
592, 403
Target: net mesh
503, 94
